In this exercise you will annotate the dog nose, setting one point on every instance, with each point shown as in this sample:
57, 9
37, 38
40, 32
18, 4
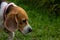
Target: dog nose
29, 29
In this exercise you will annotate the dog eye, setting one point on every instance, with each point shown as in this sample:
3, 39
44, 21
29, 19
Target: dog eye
24, 20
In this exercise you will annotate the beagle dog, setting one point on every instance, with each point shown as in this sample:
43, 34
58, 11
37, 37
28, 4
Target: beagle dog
12, 18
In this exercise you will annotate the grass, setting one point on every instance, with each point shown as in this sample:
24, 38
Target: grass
45, 27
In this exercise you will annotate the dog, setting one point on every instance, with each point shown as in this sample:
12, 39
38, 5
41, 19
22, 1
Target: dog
12, 18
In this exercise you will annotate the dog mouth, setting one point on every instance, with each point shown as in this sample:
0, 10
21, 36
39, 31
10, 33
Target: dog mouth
27, 29
25, 32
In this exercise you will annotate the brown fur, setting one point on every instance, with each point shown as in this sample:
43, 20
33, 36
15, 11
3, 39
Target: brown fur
13, 18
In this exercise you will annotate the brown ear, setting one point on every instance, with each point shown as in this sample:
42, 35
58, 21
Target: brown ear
10, 23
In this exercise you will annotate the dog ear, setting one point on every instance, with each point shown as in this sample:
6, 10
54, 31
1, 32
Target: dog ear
10, 23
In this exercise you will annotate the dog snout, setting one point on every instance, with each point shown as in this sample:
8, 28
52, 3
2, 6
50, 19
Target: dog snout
29, 29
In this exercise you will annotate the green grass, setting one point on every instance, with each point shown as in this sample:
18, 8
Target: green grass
45, 27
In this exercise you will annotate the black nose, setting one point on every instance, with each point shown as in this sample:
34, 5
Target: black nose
29, 29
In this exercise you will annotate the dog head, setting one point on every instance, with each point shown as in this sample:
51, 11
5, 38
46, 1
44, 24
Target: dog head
17, 19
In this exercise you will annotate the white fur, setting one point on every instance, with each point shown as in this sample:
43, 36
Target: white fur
3, 5
25, 29
11, 4
13, 34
